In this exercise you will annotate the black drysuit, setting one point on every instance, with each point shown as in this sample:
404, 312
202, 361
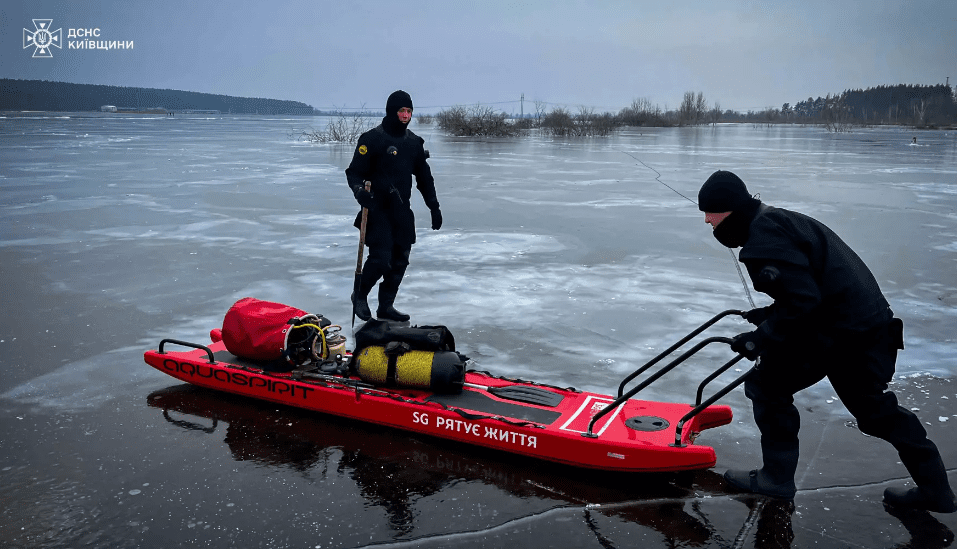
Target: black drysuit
389, 159
829, 319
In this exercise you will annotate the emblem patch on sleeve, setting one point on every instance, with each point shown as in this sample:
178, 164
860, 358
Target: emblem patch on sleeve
363, 149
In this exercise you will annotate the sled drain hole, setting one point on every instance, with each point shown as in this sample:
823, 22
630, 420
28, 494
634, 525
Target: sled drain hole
646, 423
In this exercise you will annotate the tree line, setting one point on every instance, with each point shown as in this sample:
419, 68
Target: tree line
41, 95
931, 106
903, 104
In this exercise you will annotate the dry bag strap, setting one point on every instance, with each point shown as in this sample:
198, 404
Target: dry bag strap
393, 350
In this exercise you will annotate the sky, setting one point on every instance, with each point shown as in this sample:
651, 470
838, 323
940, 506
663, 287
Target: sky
601, 55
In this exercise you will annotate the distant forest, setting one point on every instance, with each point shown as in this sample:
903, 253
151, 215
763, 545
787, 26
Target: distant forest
920, 106
933, 106
41, 95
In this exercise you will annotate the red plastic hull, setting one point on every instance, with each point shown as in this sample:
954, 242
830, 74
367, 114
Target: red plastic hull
617, 447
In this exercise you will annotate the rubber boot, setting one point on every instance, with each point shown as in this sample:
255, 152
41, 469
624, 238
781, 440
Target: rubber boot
389, 288
386, 311
932, 493
938, 501
775, 479
360, 304
360, 307
757, 481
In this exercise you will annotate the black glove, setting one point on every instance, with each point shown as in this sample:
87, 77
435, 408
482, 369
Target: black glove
757, 316
747, 344
436, 219
364, 198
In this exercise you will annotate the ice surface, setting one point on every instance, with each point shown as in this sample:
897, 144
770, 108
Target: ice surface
573, 249
564, 261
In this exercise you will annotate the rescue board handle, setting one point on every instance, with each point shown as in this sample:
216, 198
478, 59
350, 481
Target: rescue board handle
209, 353
699, 406
654, 377
623, 397
669, 350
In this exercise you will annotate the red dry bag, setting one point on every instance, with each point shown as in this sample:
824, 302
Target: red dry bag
268, 331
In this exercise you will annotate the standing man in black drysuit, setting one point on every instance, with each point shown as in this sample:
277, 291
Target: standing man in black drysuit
829, 319
388, 156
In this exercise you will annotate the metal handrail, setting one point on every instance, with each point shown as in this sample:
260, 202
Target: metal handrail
623, 397
714, 398
654, 377
713, 376
672, 349
209, 352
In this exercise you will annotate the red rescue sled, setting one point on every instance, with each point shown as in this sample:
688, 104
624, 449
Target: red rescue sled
562, 425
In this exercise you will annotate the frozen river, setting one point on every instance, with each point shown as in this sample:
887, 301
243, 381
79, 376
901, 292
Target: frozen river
570, 262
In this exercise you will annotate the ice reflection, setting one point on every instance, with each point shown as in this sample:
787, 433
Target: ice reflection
401, 477
409, 477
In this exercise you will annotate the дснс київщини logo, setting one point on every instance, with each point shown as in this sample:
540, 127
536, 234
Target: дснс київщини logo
42, 38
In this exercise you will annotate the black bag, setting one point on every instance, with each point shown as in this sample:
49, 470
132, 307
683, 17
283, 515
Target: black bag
420, 338
420, 357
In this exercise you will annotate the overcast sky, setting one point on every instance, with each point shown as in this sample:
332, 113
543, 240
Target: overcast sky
741, 54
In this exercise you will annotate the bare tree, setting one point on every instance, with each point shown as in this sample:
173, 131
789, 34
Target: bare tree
836, 115
693, 108
770, 115
714, 114
343, 128
642, 105
641, 112
476, 121
920, 110
700, 107
687, 109
560, 122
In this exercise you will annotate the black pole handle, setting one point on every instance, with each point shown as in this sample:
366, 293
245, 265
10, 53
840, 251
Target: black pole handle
654, 377
714, 375
714, 398
674, 347
209, 352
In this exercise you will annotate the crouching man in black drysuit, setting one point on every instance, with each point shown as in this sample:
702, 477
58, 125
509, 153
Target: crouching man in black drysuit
829, 319
388, 156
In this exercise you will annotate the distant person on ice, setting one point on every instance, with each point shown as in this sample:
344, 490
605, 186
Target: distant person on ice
388, 156
829, 319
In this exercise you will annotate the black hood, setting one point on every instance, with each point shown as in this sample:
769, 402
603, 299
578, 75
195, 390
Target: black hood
391, 123
725, 192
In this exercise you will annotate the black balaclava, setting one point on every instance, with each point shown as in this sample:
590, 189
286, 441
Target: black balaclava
391, 123
725, 192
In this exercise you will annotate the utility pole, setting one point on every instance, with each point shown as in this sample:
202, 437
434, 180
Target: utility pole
523, 104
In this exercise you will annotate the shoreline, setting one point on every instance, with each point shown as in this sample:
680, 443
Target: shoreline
172, 113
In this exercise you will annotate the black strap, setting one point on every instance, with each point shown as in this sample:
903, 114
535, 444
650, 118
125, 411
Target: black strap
392, 351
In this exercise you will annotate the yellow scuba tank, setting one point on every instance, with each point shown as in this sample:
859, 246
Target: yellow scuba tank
397, 364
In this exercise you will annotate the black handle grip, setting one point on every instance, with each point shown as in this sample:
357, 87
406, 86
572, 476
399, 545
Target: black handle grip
209, 352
